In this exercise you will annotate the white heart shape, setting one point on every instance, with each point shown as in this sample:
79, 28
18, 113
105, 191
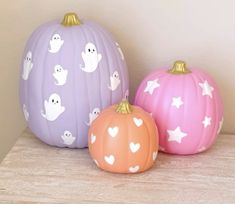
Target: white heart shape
134, 147
155, 155
138, 121
134, 169
113, 131
96, 162
109, 159
93, 138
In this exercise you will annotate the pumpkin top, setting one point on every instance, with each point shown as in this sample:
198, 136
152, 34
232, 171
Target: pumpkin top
179, 68
124, 107
71, 19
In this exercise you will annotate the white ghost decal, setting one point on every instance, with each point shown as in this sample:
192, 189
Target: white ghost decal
60, 75
91, 58
68, 138
28, 65
93, 115
55, 43
26, 113
53, 107
120, 51
114, 81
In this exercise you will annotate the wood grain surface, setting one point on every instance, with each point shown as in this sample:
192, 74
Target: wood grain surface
34, 172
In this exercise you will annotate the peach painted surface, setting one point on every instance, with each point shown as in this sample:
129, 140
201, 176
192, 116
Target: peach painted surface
123, 143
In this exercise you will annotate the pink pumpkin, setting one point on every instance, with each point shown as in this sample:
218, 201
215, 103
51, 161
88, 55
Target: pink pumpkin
186, 106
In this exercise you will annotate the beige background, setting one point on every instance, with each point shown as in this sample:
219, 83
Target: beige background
152, 34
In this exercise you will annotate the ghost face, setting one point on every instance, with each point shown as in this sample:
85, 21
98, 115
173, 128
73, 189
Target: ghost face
55, 100
96, 112
55, 43
116, 75
68, 138
90, 49
114, 81
56, 37
53, 108
60, 75
58, 69
28, 65
93, 115
28, 57
91, 58
67, 133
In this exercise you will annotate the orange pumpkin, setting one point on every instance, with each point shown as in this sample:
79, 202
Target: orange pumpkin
123, 139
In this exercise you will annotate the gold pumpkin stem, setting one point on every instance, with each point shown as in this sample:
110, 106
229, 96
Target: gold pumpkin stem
179, 68
124, 107
71, 19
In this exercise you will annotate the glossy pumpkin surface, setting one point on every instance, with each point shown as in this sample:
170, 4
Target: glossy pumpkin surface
70, 71
123, 139
186, 106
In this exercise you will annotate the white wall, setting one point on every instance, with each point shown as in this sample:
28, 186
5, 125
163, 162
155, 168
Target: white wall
152, 34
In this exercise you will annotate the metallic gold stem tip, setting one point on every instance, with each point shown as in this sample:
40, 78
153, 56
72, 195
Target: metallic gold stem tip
179, 68
124, 107
71, 19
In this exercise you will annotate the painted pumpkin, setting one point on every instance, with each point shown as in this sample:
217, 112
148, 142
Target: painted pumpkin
186, 106
70, 72
123, 139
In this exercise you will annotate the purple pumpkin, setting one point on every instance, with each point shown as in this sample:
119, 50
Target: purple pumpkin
70, 71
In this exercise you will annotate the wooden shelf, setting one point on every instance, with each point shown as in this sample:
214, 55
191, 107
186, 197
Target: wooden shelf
34, 172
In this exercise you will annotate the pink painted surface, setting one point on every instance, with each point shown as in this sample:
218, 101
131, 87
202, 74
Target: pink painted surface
195, 136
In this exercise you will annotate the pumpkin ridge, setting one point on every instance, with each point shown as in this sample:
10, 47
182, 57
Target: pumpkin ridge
26, 96
94, 36
195, 82
106, 54
76, 91
147, 160
113, 47
43, 85
118, 61
210, 142
205, 107
44, 79
85, 76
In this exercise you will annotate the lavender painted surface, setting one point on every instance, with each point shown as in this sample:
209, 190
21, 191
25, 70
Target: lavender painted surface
66, 81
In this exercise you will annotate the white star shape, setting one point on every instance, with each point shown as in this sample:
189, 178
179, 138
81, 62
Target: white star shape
151, 86
206, 89
206, 121
220, 125
201, 149
177, 102
176, 135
